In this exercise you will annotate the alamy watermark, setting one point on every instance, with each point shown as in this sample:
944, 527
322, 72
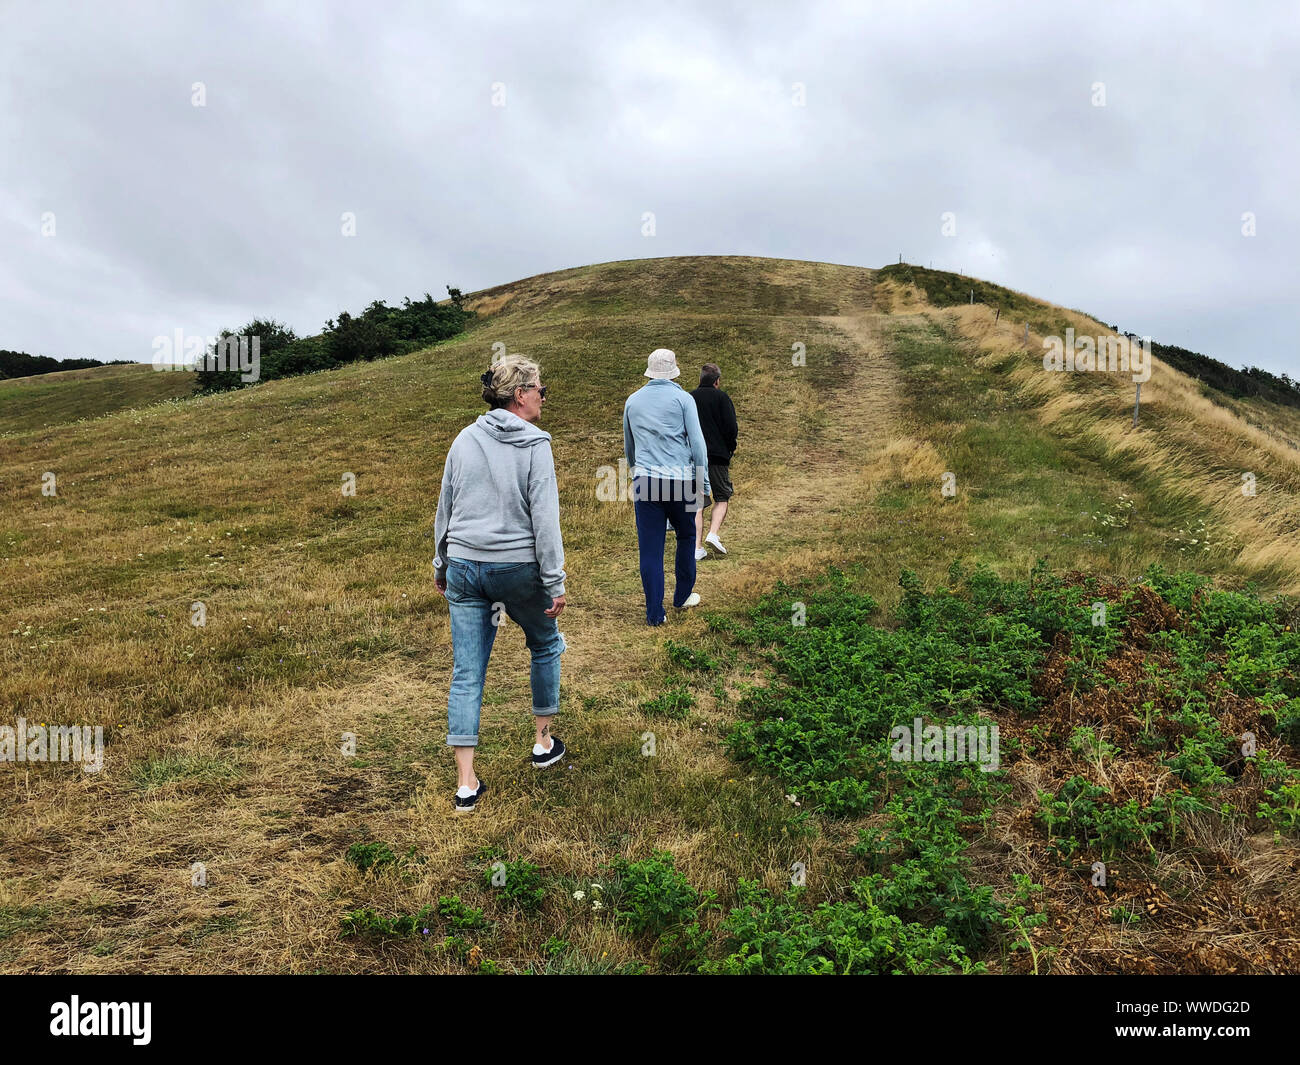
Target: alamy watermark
220, 354
53, 743
655, 484
77, 1018
947, 743
1117, 354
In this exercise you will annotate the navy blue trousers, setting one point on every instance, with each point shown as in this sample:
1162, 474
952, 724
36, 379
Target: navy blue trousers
659, 502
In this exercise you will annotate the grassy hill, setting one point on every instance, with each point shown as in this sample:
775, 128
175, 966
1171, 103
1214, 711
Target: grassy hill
70, 395
322, 619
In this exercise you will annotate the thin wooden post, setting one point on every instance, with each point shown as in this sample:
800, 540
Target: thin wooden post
1026, 332
972, 295
997, 316
1137, 404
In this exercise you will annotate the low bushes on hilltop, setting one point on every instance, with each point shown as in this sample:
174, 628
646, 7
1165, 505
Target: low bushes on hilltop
378, 332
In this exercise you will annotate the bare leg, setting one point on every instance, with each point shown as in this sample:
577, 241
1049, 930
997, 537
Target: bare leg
699, 531
543, 723
719, 513
465, 777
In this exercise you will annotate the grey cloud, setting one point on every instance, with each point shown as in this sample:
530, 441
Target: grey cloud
175, 216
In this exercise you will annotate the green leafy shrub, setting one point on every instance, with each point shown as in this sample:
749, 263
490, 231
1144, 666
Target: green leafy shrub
1285, 715
1263, 658
822, 727
376, 855
367, 856
1177, 589
1217, 612
772, 935
651, 896
517, 884
555, 946
923, 851
1281, 806
216, 370
459, 915
353, 339
654, 902
674, 702
963, 654
1082, 816
1021, 918
370, 923
690, 658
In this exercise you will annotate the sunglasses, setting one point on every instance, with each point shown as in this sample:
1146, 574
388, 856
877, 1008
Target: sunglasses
540, 391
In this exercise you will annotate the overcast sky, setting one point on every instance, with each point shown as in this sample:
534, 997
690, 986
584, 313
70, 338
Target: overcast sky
169, 216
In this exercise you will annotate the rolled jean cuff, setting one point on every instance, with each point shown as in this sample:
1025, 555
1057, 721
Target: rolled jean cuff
545, 711
462, 741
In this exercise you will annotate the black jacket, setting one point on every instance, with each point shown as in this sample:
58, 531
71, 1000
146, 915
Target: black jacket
718, 423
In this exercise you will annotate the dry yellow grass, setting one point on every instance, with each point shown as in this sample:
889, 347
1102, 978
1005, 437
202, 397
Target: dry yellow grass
1198, 448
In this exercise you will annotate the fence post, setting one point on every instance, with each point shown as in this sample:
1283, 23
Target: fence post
1026, 332
1137, 404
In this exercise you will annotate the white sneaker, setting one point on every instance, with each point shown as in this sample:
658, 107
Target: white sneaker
700, 554
691, 600
712, 538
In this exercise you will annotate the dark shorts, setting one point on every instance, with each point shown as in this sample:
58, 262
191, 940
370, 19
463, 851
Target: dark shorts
720, 482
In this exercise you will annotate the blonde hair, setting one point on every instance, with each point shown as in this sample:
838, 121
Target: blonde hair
507, 374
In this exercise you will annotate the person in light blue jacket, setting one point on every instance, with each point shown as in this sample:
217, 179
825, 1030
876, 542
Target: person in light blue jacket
669, 466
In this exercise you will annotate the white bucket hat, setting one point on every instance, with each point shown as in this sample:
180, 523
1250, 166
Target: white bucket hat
662, 365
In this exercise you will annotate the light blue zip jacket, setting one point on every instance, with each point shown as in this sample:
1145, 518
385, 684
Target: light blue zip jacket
662, 436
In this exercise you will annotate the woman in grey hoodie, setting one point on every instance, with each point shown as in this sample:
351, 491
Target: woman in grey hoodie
499, 550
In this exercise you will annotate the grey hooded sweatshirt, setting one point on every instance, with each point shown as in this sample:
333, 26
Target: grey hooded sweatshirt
499, 500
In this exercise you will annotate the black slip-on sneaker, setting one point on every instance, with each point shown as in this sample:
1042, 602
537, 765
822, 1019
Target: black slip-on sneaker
541, 761
470, 802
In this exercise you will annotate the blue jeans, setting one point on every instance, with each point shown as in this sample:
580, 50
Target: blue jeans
478, 593
657, 500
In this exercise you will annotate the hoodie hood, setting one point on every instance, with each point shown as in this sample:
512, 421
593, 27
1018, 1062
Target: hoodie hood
509, 428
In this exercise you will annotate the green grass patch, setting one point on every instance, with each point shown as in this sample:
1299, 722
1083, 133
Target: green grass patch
156, 771
674, 703
22, 919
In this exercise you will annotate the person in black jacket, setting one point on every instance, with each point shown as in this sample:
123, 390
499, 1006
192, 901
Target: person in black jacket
718, 422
